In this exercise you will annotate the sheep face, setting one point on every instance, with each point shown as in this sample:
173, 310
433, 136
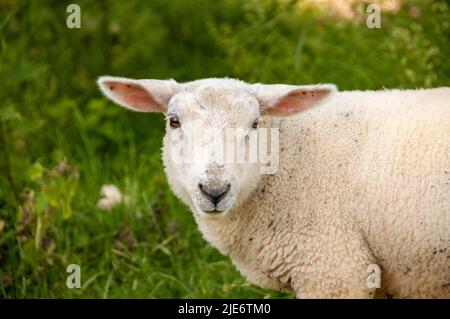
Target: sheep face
213, 132
208, 133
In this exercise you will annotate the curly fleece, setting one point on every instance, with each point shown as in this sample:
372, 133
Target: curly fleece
364, 179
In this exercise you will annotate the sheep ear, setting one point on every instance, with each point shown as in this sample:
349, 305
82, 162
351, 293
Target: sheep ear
139, 95
285, 100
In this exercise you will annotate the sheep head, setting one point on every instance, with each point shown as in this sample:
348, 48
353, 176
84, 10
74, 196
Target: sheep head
215, 132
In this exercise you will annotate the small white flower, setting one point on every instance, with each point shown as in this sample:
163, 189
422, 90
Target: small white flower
111, 196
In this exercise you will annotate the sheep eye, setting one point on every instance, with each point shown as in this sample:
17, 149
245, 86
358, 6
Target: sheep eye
255, 124
174, 122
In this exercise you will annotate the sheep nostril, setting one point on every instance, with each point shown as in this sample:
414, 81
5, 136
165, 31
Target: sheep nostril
200, 186
215, 195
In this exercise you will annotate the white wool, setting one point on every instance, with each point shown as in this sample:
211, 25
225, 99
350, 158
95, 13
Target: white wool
364, 180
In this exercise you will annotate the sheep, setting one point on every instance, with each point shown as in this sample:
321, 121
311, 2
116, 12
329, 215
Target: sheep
360, 199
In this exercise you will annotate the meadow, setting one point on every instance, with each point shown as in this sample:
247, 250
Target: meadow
60, 140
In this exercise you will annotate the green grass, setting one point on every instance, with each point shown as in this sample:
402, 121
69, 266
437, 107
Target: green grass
51, 110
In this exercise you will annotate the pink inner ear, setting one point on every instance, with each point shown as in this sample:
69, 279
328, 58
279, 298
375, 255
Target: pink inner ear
297, 101
135, 96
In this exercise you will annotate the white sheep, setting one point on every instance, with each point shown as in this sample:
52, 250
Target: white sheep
362, 187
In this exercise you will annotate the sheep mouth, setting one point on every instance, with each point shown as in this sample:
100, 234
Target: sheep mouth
213, 212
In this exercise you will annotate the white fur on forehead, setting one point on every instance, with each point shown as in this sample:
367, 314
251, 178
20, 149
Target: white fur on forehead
223, 95
224, 83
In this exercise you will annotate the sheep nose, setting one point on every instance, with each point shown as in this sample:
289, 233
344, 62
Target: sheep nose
214, 194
